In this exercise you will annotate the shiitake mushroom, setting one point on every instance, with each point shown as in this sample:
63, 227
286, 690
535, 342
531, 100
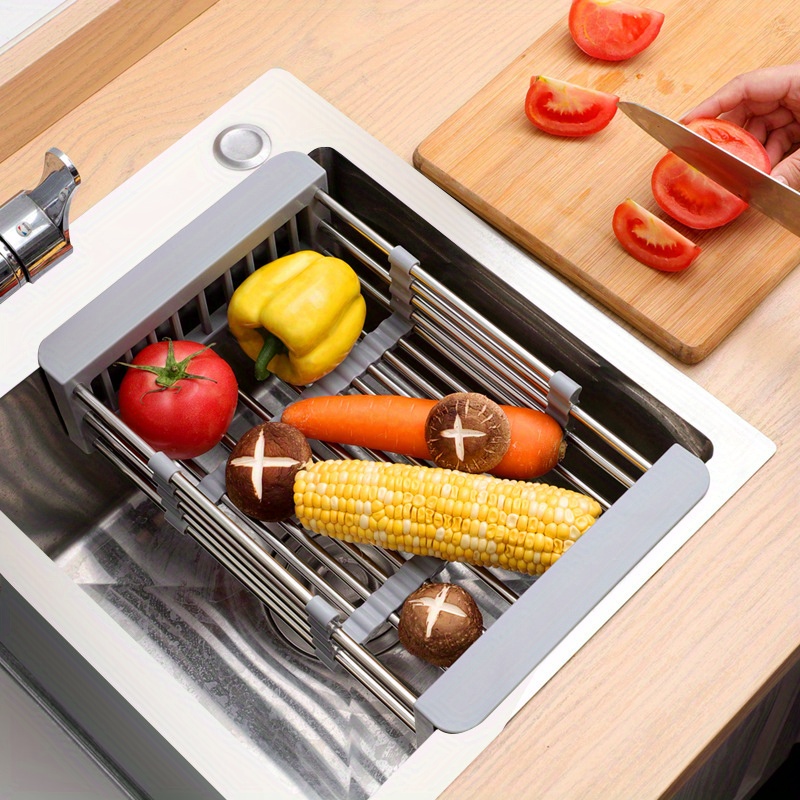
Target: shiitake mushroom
259, 475
467, 431
438, 622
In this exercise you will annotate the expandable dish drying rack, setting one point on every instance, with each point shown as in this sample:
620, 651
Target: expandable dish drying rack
421, 338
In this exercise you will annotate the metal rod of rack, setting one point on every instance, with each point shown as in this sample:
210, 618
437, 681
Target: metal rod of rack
289, 614
345, 213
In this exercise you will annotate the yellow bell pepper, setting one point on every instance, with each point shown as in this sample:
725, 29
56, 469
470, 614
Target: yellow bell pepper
298, 316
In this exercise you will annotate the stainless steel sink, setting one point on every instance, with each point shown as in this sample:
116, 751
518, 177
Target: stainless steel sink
206, 636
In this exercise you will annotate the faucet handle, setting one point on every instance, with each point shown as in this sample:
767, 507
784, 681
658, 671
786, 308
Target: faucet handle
54, 192
34, 225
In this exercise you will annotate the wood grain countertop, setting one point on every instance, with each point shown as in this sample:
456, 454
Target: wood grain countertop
640, 707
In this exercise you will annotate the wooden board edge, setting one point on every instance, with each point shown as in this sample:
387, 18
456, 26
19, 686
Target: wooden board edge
64, 61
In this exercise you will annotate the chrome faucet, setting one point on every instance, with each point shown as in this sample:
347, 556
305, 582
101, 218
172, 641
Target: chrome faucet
34, 227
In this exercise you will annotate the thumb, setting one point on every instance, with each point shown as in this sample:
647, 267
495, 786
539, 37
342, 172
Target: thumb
788, 170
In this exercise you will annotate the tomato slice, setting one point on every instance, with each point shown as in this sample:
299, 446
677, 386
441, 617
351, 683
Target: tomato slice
566, 109
651, 240
612, 29
689, 196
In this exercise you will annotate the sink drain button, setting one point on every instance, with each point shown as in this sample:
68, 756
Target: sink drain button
242, 146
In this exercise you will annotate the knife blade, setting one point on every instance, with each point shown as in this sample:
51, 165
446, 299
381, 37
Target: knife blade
771, 197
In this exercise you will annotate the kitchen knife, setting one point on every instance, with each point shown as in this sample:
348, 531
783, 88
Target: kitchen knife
770, 197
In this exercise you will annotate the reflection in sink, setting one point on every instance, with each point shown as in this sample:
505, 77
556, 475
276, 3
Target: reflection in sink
323, 729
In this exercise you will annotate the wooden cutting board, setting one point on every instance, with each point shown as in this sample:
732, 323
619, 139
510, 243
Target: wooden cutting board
555, 196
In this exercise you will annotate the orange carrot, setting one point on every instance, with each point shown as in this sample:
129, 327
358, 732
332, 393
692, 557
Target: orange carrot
537, 444
388, 422
396, 424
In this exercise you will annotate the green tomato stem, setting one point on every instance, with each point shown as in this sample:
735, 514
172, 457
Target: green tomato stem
172, 371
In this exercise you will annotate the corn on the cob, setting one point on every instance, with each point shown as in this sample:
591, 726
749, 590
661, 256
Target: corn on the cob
453, 515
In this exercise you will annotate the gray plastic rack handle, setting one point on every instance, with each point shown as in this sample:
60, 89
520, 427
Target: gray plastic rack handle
528, 631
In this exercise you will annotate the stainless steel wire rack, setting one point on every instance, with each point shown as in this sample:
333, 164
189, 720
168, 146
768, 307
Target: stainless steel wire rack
424, 337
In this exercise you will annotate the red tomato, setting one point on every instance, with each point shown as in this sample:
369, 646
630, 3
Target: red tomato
689, 196
651, 240
180, 397
566, 109
611, 29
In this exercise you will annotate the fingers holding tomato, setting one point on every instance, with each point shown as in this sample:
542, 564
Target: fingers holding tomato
180, 397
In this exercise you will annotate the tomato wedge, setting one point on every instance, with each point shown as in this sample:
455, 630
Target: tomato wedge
651, 240
612, 29
689, 196
566, 109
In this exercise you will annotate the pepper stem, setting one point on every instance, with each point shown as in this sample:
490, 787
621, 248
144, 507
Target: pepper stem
271, 347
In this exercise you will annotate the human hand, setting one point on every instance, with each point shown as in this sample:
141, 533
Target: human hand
765, 102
